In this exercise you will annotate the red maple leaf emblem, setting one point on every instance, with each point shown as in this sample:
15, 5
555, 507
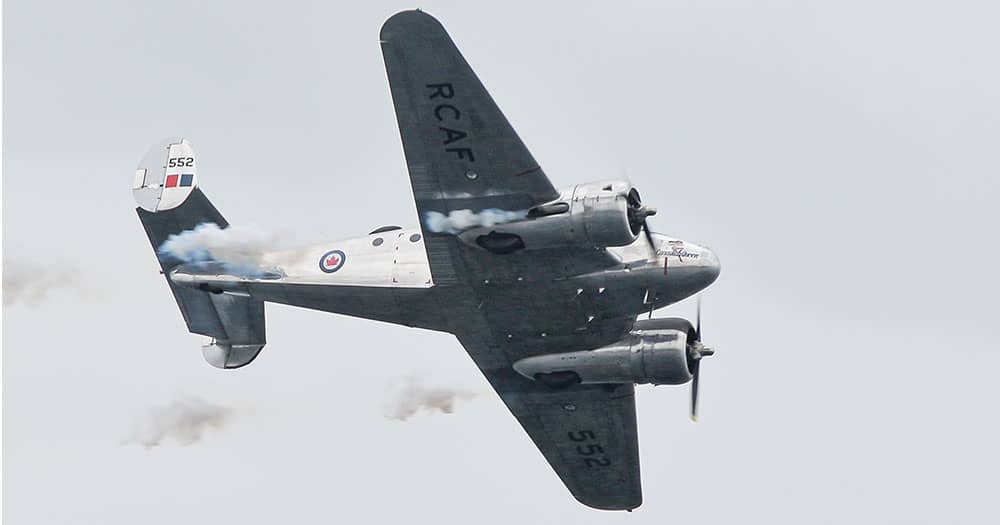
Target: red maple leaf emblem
333, 260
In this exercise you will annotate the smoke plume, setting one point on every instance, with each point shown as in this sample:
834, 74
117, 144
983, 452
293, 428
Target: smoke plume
408, 396
460, 220
184, 422
31, 284
242, 248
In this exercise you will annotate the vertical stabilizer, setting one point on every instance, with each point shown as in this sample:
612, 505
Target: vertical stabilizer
170, 203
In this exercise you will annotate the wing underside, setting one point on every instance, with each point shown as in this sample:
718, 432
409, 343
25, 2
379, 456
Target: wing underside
466, 162
462, 154
587, 433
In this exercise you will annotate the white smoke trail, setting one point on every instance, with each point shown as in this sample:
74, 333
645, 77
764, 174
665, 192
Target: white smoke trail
460, 220
183, 421
243, 248
31, 283
408, 396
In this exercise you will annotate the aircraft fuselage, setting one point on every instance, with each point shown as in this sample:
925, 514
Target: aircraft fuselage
385, 276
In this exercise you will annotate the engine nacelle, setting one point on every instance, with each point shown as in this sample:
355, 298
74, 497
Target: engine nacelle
599, 214
656, 352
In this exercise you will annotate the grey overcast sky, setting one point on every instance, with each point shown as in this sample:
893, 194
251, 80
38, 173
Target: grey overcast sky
841, 158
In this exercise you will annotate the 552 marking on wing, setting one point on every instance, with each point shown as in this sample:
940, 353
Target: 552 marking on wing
589, 449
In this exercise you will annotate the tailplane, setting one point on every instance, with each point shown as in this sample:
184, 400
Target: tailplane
170, 203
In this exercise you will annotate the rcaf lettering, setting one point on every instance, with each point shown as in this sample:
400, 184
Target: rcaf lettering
452, 133
439, 90
449, 107
463, 153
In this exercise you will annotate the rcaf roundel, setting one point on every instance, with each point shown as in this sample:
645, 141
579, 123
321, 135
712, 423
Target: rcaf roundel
332, 261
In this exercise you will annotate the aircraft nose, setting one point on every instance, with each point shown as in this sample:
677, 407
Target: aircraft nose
710, 264
708, 267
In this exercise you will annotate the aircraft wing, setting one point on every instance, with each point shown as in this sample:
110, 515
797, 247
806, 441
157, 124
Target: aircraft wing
586, 432
465, 160
462, 153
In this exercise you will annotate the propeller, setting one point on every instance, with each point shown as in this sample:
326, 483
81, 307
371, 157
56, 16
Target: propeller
695, 367
637, 215
696, 351
697, 318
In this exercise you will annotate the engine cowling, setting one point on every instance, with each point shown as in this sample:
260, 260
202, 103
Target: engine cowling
657, 351
602, 214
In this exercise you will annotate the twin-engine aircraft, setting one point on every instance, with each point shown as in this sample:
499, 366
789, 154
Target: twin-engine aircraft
543, 287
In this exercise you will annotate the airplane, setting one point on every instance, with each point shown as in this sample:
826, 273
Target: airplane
545, 288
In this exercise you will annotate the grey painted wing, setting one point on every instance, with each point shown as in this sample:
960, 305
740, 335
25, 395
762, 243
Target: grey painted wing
461, 152
586, 432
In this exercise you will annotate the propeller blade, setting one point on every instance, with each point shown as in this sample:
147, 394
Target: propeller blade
695, 369
697, 321
649, 237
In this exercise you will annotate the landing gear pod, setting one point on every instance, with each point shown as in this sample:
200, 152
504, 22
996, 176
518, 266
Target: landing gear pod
166, 176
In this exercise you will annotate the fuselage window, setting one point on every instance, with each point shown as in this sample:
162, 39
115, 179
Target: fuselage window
415, 237
377, 242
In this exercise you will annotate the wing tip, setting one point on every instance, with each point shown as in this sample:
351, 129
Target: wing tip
410, 19
620, 496
612, 505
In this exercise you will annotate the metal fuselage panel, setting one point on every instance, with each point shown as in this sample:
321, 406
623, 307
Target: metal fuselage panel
383, 276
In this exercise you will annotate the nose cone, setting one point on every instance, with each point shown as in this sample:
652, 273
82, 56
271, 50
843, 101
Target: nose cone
688, 268
711, 267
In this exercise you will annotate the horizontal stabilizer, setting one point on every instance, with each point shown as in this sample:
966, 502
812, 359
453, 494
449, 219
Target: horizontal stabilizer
242, 336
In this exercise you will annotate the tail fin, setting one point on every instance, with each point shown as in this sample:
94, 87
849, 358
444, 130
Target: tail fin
170, 203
